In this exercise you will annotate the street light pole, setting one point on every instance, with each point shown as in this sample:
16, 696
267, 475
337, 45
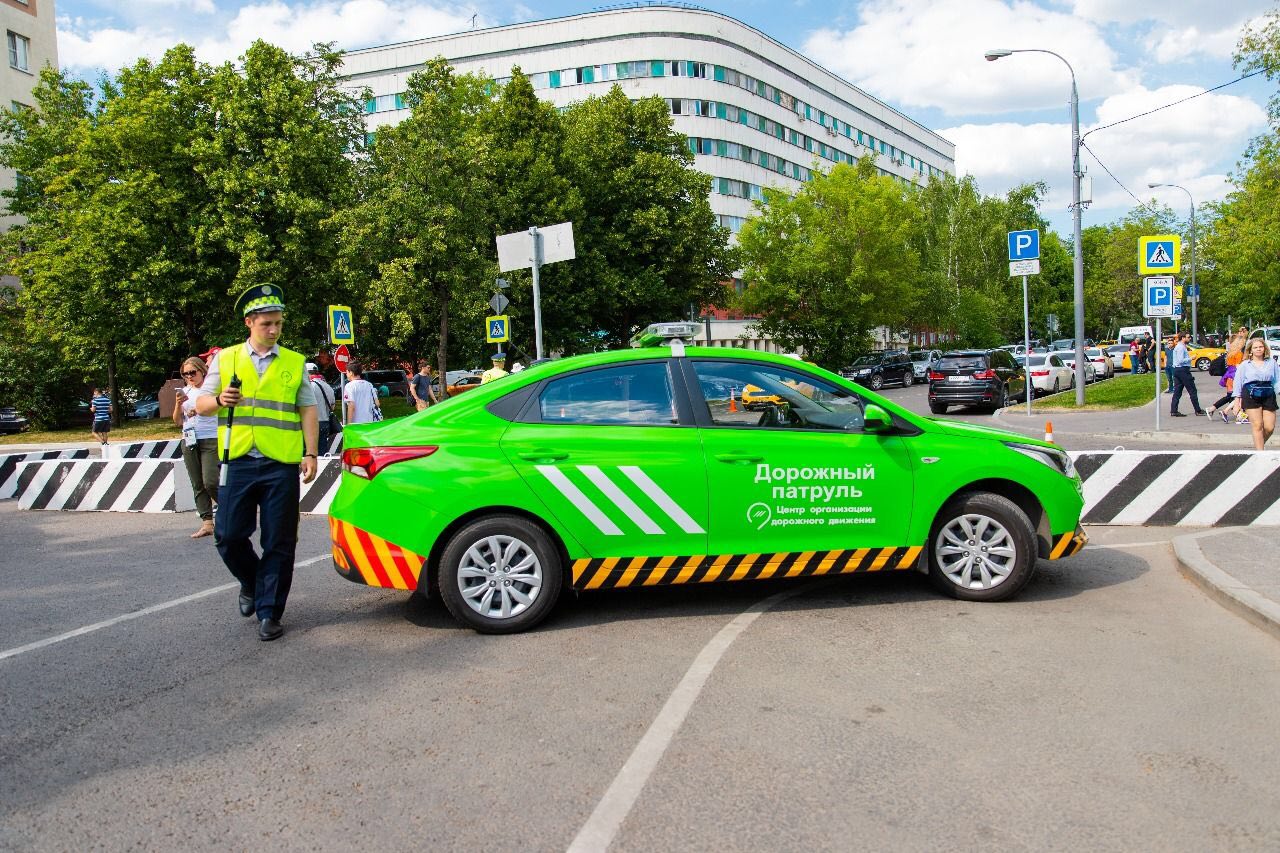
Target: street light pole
1076, 174
1195, 291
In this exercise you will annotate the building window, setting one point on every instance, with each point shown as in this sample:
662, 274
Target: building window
553, 78
19, 52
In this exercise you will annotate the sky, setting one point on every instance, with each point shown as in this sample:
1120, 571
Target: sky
1009, 119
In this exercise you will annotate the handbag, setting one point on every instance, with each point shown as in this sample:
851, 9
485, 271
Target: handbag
1218, 367
1260, 390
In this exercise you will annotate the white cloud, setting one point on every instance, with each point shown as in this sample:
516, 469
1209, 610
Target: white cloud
293, 26
1192, 144
922, 53
1170, 13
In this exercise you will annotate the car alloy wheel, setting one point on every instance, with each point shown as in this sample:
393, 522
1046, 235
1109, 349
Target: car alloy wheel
500, 575
983, 548
876, 382
907, 379
1202, 364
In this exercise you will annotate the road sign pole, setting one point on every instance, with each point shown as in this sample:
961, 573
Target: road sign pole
537, 291
1026, 343
1158, 343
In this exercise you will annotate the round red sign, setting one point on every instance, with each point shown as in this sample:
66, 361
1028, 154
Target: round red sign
341, 358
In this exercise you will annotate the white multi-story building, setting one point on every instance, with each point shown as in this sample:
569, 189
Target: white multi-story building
32, 41
756, 112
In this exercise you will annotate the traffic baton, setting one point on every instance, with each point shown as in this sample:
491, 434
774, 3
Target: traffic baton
226, 448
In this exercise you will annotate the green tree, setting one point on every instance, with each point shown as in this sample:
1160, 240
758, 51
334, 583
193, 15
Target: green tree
832, 261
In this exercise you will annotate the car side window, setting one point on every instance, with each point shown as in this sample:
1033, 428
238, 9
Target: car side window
632, 393
765, 396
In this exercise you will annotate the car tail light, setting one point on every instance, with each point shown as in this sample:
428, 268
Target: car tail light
1039, 373
935, 376
366, 462
984, 374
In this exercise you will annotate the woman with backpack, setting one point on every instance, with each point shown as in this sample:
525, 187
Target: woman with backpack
1257, 383
1234, 355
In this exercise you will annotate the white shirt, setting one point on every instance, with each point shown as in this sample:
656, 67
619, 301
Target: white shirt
363, 397
206, 426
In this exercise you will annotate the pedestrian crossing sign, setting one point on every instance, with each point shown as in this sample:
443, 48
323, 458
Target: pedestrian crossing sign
341, 325
1160, 255
496, 329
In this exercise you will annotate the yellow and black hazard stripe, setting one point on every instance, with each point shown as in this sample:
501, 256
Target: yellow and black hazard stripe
619, 572
361, 557
1068, 544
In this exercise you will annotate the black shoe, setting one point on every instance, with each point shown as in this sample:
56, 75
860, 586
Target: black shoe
1202, 412
270, 629
1176, 415
246, 605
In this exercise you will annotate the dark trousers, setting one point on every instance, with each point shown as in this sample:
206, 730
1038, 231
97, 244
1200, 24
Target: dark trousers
202, 470
325, 438
1182, 378
266, 489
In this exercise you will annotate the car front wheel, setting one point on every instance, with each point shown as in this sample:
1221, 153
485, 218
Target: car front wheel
982, 548
876, 382
500, 575
1202, 364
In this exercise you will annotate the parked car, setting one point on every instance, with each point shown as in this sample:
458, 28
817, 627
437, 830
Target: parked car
1103, 366
1049, 375
879, 369
464, 383
988, 378
11, 421
147, 406
1201, 357
1069, 359
1117, 352
921, 361
396, 381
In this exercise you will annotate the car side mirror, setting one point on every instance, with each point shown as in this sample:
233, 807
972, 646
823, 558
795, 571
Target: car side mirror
876, 420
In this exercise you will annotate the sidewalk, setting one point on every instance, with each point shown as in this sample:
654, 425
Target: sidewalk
1239, 567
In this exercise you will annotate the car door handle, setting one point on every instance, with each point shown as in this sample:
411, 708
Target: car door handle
543, 456
739, 458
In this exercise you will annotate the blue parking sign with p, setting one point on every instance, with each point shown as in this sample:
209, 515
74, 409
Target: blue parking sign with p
1024, 245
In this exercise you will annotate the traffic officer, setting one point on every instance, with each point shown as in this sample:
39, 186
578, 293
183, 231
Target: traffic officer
498, 370
267, 431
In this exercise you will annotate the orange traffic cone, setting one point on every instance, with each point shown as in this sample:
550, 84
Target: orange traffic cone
1048, 431
733, 404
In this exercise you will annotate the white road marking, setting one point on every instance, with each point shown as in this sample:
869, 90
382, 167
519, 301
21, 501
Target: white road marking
1126, 544
137, 614
566, 487
602, 827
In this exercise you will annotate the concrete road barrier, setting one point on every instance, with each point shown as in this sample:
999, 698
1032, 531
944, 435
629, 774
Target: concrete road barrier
108, 485
168, 449
1184, 488
10, 479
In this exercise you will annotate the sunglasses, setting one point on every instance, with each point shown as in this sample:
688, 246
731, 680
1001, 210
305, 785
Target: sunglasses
190, 373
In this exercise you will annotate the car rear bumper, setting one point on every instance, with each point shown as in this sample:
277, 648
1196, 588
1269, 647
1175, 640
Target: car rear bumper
361, 557
970, 392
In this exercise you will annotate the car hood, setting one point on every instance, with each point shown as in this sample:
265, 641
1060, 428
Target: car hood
969, 430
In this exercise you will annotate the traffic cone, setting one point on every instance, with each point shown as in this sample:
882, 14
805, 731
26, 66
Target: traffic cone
1048, 431
733, 404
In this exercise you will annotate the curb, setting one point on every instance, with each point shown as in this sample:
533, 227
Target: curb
1222, 587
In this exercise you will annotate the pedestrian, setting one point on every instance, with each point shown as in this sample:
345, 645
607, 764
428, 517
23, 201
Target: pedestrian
423, 387
199, 443
498, 370
267, 434
102, 410
1150, 351
1182, 378
1235, 354
1167, 355
1135, 356
1257, 383
360, 397
325, 398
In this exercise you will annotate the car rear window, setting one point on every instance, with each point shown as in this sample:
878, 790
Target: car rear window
962, 362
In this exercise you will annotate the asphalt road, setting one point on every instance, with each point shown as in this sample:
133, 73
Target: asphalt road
1112, 706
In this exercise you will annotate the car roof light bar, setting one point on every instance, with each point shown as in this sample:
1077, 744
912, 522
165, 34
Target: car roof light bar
674, 335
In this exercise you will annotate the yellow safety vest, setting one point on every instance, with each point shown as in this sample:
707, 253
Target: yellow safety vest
492, 374
267, 417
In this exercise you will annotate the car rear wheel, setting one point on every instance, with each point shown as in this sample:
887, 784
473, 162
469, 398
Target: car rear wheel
907, 379
500, 575
983, 548
876, 382
938, 408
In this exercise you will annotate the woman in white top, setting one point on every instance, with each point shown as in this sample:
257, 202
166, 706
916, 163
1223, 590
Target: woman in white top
199, 443
1256, 385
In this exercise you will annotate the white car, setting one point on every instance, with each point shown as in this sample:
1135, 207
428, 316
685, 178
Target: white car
1069, 359
1049, 375
922, 361
1271, 334
1103, 366
1117, 352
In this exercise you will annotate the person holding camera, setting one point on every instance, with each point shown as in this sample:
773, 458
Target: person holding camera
199, 443
1256, 385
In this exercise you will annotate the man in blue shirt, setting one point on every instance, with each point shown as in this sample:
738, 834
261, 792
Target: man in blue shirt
100, 406
1182, 377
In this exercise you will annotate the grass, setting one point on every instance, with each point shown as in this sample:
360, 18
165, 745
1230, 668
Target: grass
1123, 392
158, 429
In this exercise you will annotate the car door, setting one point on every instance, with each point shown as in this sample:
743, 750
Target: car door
614, 461
1010, 371
802, 479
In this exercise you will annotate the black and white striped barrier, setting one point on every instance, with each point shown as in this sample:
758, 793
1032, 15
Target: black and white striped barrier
318, 494
170, 449
108, 485
10, 479
1184, 488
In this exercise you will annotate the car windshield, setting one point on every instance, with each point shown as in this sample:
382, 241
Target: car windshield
867, 361
962, 362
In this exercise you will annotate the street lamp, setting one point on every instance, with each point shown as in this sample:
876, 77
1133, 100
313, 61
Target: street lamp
1195, 292
999, 53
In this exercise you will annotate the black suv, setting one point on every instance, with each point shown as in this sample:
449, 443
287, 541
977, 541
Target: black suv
988, 378
397, 381
880, 368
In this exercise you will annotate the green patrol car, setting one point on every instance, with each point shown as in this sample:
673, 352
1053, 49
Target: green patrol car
640, 467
